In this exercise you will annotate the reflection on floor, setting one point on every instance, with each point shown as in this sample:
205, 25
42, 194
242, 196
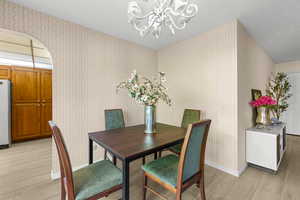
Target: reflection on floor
25, 174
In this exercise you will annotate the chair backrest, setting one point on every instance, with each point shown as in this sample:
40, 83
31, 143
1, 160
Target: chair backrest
192, 156
64, 160
114, 118
190, 116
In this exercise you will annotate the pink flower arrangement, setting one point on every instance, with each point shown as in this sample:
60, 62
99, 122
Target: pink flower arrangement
263, 101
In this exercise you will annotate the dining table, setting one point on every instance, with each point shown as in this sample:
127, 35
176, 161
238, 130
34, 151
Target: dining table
131, 143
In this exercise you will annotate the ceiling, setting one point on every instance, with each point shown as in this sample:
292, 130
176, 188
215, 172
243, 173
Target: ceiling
275, 24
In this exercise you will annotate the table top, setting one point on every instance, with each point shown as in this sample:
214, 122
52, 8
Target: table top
131, 143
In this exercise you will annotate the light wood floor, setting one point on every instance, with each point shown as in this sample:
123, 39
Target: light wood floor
25, 175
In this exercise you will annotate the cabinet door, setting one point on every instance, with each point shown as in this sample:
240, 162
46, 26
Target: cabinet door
46, 115
46, 86
5, 72
26, 121
26, 85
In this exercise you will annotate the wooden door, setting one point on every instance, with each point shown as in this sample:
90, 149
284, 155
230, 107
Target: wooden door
26, 85
46, 85
26, 121
5, 72
46, 115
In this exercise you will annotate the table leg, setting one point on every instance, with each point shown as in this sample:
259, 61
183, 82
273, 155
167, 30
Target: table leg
114, 160
125, 192
155, 156
90, 151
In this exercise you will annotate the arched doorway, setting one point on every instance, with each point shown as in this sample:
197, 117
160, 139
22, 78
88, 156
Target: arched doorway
27, 64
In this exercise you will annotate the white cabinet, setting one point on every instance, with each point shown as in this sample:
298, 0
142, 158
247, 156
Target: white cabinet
265, 147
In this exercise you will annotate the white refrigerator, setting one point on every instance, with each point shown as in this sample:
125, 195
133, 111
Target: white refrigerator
5, 114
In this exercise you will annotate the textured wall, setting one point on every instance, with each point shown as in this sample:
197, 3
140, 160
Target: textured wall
202, 74
288, 67
254, 70
87, 66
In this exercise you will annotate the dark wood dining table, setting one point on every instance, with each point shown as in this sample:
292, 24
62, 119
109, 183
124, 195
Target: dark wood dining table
131, 143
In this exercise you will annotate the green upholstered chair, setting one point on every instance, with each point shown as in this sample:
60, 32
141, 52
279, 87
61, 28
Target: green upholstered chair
177, 173
114, 119
89, 183
189, 116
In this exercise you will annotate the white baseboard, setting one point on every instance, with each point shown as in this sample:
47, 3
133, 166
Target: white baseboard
241, 171
236, 173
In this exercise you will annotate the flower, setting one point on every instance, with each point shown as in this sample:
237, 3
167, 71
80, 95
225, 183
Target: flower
144, 91
263, 101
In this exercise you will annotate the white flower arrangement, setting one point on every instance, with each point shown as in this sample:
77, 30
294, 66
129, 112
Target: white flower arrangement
144, 91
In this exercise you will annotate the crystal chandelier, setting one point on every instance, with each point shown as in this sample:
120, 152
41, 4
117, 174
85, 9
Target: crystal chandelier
174, 14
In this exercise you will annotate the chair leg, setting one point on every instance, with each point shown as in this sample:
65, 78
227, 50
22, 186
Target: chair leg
144, 187
144, 160
155, 156
105, 154
178, 195
63, 192
202, 188
115, 160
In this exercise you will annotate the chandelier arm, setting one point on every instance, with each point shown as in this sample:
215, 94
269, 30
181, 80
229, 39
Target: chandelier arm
142, 17
167, 3
181, 14
147, 28
175, 25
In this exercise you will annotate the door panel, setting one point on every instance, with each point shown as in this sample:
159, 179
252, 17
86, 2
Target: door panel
26, 85
26, 121
46, 115
46, 86
5, 72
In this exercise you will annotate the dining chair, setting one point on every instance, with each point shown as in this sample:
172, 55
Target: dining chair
114, 118
189, 116
178, 173
89, 183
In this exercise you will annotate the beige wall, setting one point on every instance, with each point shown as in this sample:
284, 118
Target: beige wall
202, 74
87, 67
288, 67
215, 72
254, 69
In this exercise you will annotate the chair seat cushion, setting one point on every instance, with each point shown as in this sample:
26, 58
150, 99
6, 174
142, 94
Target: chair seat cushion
164, 168
176, 148
95, 179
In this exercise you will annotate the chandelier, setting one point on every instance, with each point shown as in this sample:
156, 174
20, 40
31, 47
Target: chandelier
174, 14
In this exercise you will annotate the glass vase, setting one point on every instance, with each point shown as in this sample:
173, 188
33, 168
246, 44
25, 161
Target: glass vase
263, 116
150, 119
